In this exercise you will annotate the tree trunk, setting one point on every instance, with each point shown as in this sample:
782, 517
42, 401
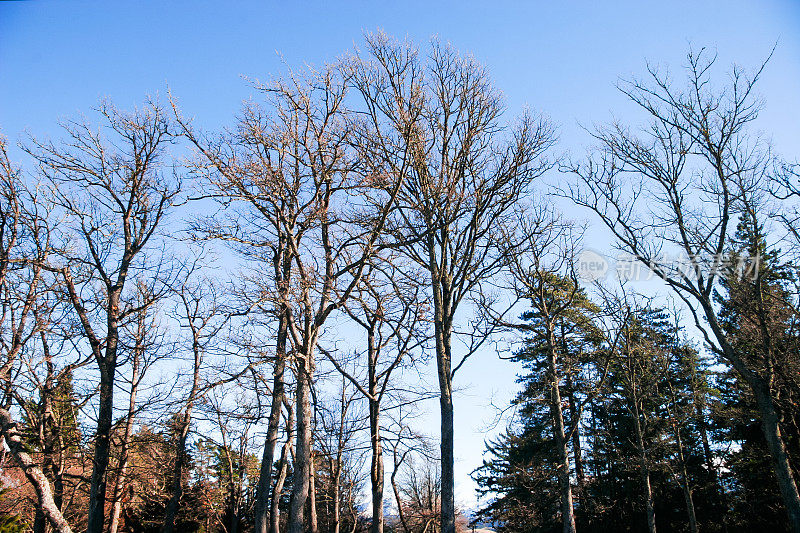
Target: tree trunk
687, 496
260, 509
183, 433
44, 496
335, 489
376, 447
576, 446
119, 483
274, 515
576, 439
376, 467
567, 512
302, 455
102, 447
46, 431
443, 363
396, 491
780, 459
644, 472
769, 423
234, 525
177, 480
312, 496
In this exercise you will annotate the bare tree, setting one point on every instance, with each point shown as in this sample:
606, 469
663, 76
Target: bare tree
301, 185
676, 189
387, 308
24, 247
264, 294
439, 124
114, 197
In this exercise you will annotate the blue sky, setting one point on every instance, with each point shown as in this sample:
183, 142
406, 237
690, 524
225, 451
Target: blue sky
561, 58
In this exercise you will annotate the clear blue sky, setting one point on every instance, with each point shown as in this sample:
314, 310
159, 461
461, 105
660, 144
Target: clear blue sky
563, 58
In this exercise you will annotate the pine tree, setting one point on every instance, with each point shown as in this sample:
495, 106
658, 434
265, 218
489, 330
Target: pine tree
560, 331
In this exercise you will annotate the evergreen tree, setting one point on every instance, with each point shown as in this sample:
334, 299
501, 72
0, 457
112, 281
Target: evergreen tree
524, 471
642, 424
758, 312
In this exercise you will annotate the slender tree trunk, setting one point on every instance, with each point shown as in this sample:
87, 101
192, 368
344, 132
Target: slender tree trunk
40, 521
119, 483
644, 472
181, 454
396, 491
376, 468
576, 444
234, 525
312, 496
576, 441
56, 448
684, 480
376, 464
567, 512
231, 499
335, 489
302, 468
274, 522
237, 489
274, 515
273, 425
689, 500
46, 435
